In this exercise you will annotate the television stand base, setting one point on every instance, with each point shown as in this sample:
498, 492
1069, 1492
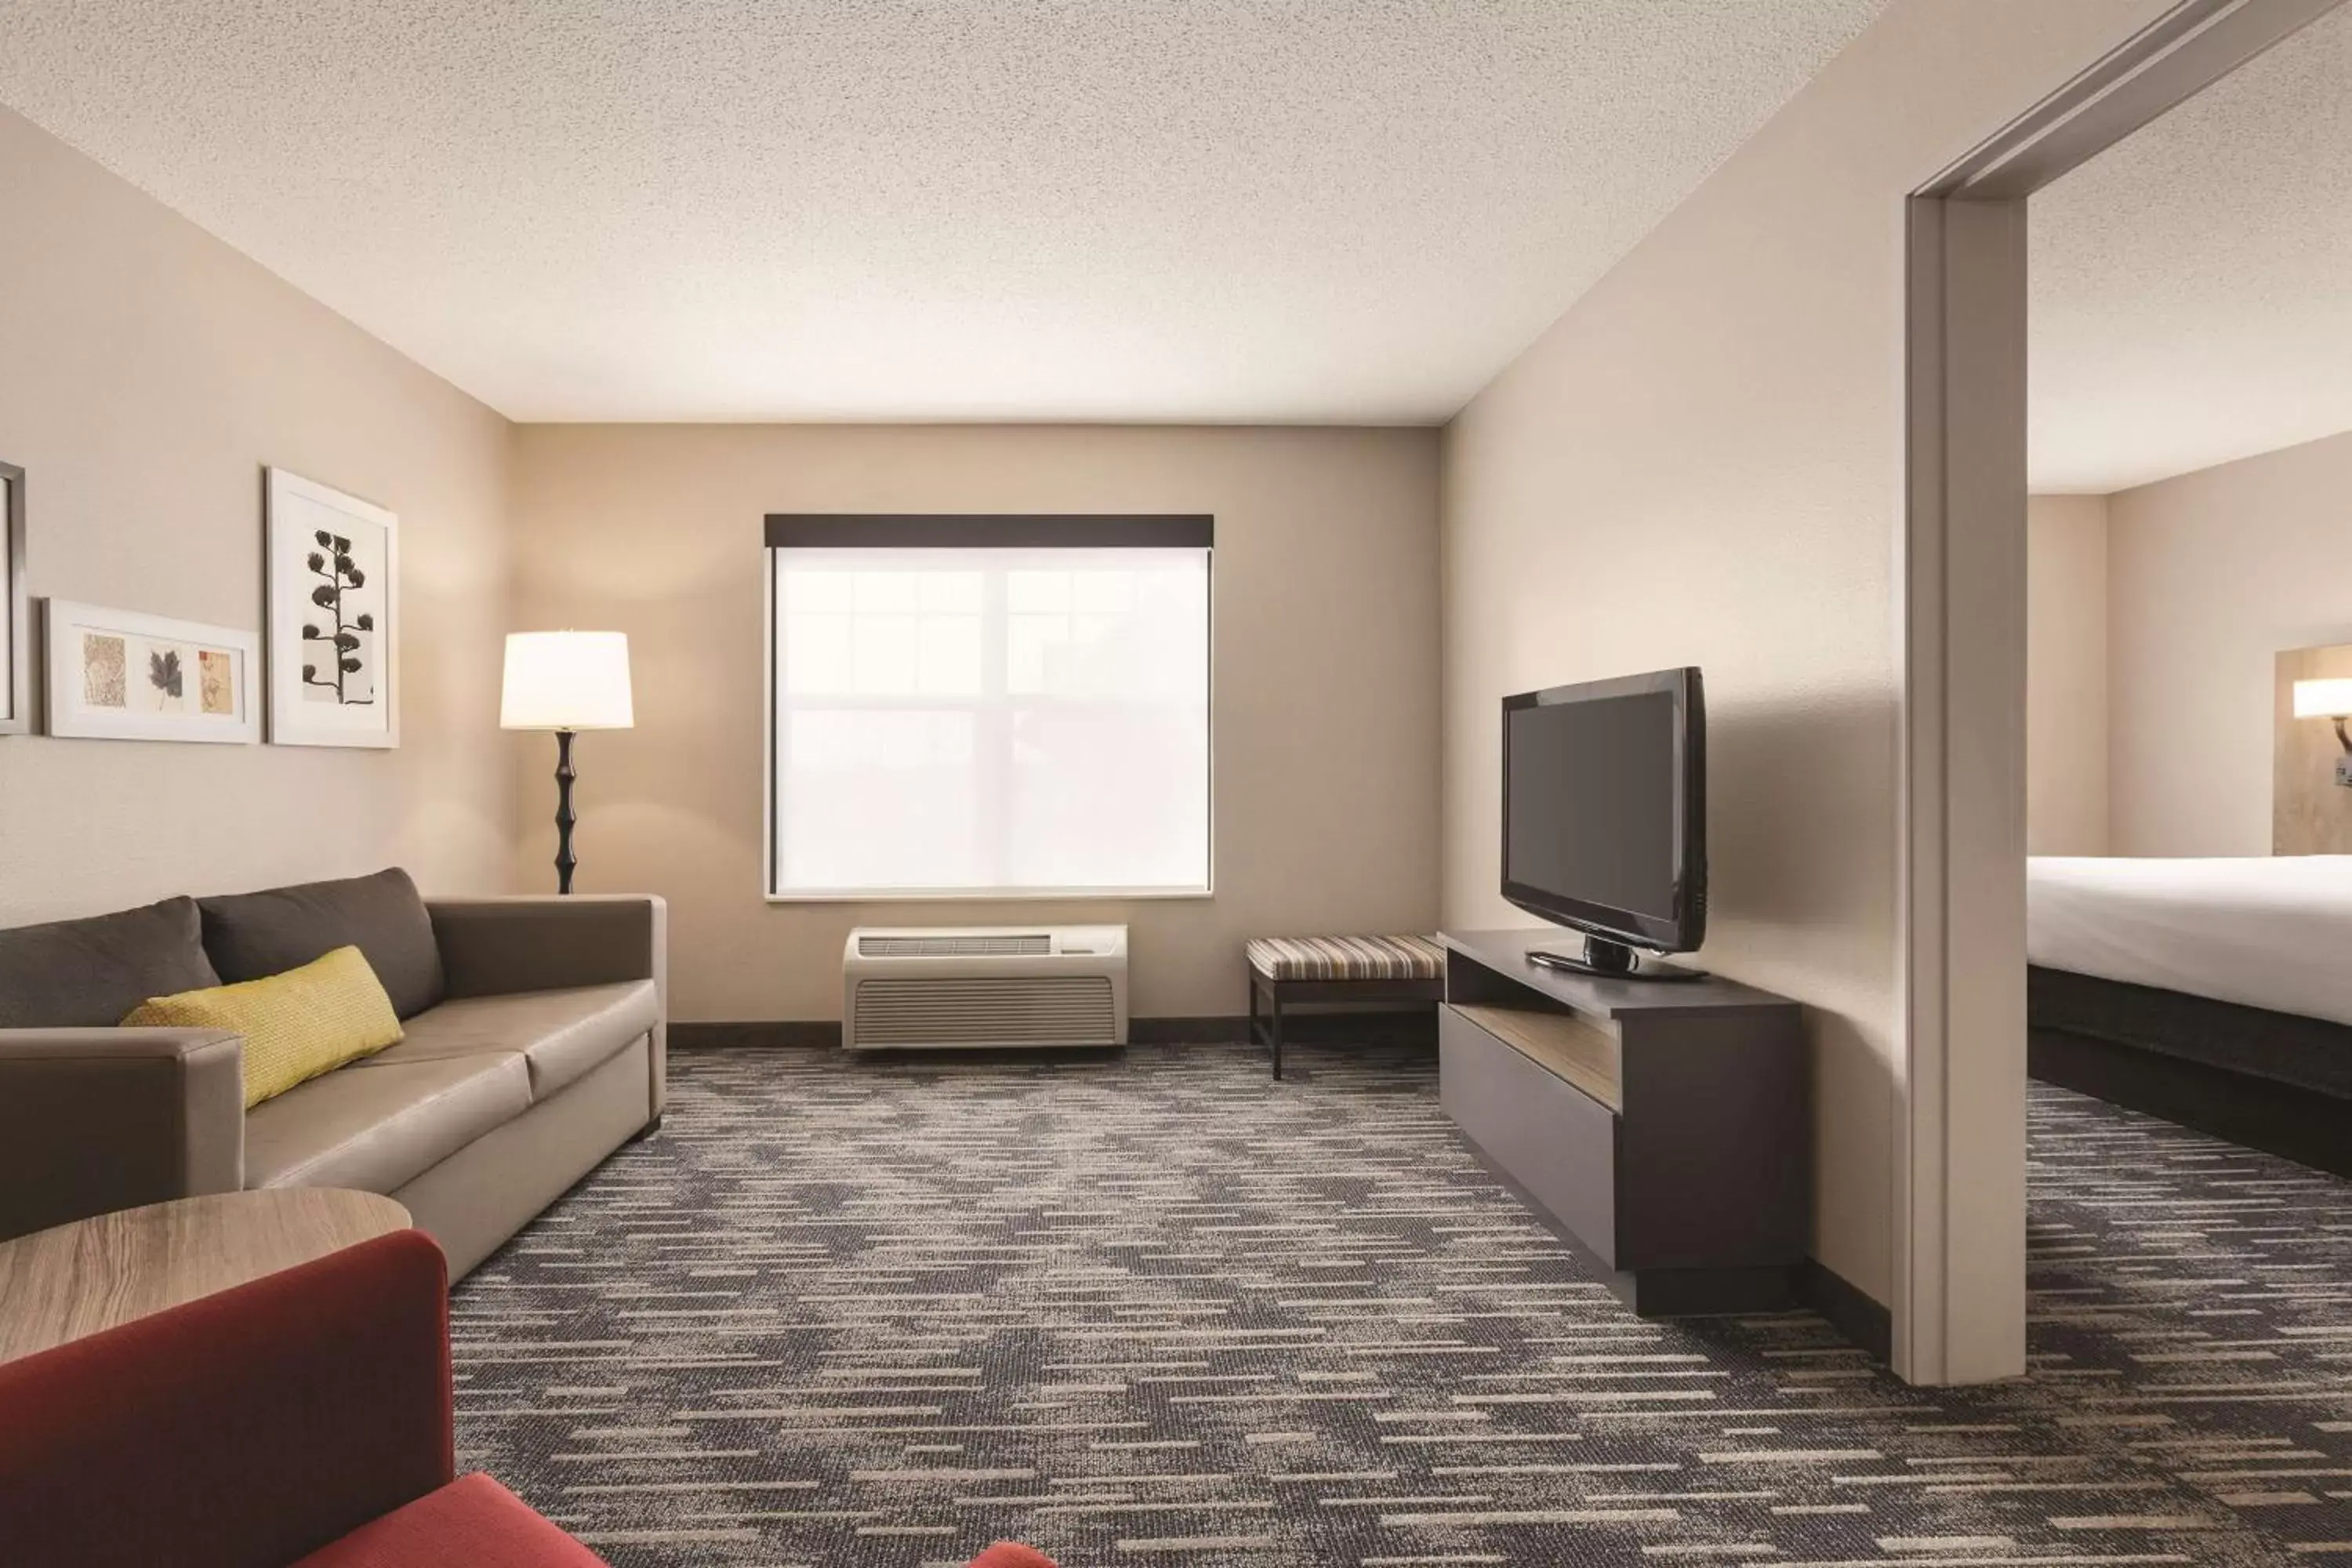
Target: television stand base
1663, 1292
1606, 960
1667, 1128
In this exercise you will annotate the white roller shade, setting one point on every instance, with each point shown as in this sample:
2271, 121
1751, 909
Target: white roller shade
990, 721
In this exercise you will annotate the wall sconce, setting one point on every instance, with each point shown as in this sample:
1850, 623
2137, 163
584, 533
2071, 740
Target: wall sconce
2329, 699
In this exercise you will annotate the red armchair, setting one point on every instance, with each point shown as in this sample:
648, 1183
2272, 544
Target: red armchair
304, 1418
302, 1421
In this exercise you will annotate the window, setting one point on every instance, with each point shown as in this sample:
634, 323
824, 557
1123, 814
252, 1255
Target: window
988, 706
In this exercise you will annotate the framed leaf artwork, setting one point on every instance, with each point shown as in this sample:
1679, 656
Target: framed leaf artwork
331, 575
119, 674
16, 609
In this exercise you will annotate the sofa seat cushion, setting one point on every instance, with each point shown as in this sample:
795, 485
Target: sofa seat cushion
563, 1036
376, 1127
473, 1520
87, 974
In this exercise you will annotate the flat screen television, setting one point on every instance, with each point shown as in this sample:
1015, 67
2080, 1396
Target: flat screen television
1604, 816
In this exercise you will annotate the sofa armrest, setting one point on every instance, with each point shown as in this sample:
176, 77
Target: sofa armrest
493, 946
95, 1119
239, 1430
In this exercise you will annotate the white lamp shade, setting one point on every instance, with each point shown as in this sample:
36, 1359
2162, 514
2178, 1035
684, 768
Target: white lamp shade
566, 681
2323, 698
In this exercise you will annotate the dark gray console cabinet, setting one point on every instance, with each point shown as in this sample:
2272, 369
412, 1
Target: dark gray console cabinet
1666, 1127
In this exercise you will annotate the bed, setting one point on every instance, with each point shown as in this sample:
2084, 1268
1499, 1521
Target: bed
2215, 993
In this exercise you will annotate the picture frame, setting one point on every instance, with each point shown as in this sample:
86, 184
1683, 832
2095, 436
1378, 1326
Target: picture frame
332, 627
16, 609
121, 675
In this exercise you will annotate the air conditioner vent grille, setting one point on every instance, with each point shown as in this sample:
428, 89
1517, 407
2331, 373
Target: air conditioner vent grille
1011, 945
1046, 1009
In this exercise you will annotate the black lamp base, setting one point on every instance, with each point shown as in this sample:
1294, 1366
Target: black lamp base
564, 863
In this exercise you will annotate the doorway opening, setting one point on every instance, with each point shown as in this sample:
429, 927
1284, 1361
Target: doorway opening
1960, 1129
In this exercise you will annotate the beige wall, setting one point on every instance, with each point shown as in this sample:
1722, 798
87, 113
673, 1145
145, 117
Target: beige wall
152, 373
1702, 462
2211, 576
147, 374
2067, 676
1326, 678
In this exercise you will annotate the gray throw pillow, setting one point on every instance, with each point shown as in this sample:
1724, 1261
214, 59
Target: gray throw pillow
87, 974
253, 935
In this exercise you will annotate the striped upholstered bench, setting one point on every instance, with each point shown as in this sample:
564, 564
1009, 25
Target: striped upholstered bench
1338, 969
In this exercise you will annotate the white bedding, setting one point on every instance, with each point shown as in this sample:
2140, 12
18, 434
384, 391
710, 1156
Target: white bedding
2273, 933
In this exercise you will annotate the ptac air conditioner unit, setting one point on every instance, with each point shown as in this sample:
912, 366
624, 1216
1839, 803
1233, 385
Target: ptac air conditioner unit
962, 988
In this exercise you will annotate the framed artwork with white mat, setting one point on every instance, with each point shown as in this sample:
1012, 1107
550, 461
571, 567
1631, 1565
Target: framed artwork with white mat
16, 609
331, 575
121, 675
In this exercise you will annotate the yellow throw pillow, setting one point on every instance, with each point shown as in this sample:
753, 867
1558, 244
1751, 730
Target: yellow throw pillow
295, 1026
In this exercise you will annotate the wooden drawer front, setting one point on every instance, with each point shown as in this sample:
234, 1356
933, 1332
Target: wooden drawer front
1558, 1143
1562, 1044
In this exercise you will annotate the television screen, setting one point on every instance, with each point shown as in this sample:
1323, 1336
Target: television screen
1603, 808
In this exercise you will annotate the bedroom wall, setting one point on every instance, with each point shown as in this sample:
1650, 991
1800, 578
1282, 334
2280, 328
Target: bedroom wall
1325, 677
2212, 574
2067, 676
150, 373
1702, 462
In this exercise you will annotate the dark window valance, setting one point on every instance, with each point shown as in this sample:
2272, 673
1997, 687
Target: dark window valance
981, 530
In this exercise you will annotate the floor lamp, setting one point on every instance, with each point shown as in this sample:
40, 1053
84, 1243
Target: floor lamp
566, 681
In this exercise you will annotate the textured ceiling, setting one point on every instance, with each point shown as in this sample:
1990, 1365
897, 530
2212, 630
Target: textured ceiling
2192, 287
906, 209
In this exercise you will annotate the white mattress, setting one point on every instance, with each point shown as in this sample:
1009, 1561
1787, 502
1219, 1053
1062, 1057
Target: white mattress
2273, 933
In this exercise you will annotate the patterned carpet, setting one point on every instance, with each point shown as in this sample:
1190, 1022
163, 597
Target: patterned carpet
1158, 1310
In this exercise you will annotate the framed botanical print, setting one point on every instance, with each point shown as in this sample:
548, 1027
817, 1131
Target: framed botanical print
16, 609
331, 575
119, 674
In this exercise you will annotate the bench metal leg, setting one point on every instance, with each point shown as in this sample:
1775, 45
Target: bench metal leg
1275, 993
1348, 990
1271, 1034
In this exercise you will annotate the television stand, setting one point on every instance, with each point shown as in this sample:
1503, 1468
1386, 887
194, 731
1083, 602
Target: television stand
1609, 961
1663, 1130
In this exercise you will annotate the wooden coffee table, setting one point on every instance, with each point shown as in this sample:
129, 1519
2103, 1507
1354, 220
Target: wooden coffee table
77, 1279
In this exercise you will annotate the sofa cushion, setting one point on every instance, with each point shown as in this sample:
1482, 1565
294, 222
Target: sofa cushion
375, 1127
562, 1034
295, 1026
250, 935
472, 1520
73, 974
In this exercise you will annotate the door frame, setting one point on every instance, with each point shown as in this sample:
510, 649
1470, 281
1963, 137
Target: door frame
1959, 1125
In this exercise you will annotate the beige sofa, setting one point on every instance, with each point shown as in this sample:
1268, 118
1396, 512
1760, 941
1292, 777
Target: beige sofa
543, 1053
